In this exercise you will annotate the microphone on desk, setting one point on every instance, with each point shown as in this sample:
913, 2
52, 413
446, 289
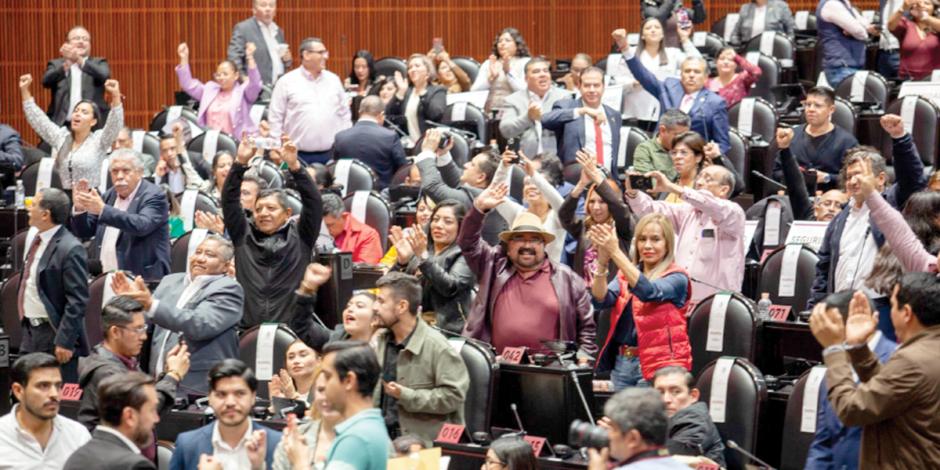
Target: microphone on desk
769, 180
736, 447
515, 413
697, 281
584, 402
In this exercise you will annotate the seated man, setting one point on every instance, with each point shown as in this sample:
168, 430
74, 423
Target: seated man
691, 430
271, 250
370, 143
202, 308
174, 168
125, 331
653, 154
125, 140
233, 440
349, 234
819, 144
424, 380
709, 228
129, 222
516, 275
836, 445
11, 154
33, 434
522, 112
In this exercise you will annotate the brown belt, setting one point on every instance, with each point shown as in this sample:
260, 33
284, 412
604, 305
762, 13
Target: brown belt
629, 351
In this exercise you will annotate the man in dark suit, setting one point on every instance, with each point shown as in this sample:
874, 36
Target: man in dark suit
53, 289
201, 307
687, 94
128, 414
370, 143
11, 154
233, 440
578, 122
75, 76
129, 223
271, 54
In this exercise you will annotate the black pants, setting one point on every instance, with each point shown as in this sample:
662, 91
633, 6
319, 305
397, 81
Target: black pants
42, 339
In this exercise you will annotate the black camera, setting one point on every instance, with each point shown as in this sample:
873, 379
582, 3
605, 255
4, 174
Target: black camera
641, 183
584, 434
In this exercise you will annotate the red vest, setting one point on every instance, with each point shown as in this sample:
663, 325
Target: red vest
662, 337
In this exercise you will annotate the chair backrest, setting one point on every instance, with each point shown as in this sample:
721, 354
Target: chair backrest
468, 65
799, 422
99, 293
183, 248
203, 148
370, 209
724, 27
921, 119
736, 412
293, 201
601, 64
844, 115
352, 175
805, 22
146, 143
572, 172
754, 117
41, 174
737, 152
769, 78
722, 324
708, 43
18, 249
460, 152
865, 86
483, 371
801, 263
281, 337
269, 172
389, 65
630, 138
159, 120
774, 44
32, 155
10, 311
164, 454
467, 117
401, 174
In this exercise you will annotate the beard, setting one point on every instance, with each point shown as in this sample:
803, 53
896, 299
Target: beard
41, 412
235, 420
143, 437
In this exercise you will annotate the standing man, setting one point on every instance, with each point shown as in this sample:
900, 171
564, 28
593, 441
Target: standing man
372, 144
309, 104
522, 112
33, 434
53, 288
843, 35
75, 76
129, 411
272, 53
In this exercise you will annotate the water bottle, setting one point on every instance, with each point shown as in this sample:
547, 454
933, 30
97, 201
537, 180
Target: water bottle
763, 307
20, 198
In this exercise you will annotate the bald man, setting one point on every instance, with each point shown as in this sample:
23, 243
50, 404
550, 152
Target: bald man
370, 143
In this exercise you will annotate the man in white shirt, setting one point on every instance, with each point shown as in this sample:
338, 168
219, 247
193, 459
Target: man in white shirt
33, 435
271, 53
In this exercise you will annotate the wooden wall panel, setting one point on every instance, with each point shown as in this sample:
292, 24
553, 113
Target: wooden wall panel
139, 37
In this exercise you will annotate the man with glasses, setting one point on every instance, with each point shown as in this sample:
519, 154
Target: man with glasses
272, 53
75, 76
125, 330
309, 104
516, 277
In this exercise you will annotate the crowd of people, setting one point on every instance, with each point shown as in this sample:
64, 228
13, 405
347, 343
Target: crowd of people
509, 266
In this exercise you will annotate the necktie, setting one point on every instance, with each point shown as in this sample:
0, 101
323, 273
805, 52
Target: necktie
24, 277
599, 143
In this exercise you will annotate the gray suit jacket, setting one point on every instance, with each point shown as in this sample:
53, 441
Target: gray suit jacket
207, 323
516, 122
778, 18
249, 31
106, 451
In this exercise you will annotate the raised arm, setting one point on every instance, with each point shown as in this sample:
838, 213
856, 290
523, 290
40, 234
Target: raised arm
51, 133
477, 252
253, 89
192, 86
311, 214
236, 223
115, 121
907, 163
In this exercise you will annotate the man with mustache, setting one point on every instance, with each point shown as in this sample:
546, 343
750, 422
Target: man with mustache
129, 222
75, 76
129, 411
516, 277
33, 433
522, 114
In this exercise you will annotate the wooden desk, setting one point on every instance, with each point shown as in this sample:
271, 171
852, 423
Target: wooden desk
471, 457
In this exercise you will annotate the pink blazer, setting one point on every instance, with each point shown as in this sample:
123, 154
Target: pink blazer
244, 94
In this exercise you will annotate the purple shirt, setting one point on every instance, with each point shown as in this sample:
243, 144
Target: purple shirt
526, 311
709, 237
309, 110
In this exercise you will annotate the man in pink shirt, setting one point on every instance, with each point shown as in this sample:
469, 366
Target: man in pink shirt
709, 228
309, 104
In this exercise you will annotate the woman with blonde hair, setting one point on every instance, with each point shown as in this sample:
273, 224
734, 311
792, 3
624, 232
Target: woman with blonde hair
650, 297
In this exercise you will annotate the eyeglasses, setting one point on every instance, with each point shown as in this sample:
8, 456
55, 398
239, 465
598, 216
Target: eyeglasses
80, 38
527, 240
323, 52
491, 462
141, 330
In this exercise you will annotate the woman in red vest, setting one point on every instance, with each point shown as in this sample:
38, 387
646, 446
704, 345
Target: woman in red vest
649, 298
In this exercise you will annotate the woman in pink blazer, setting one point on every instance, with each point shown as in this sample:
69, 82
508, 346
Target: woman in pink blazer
225, 103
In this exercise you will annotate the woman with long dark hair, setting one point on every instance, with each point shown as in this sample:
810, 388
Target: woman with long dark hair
362, 75
504, 72
510, 453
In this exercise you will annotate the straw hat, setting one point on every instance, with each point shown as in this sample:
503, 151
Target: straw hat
527, 222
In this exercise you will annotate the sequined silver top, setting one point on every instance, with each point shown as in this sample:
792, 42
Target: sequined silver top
85, 161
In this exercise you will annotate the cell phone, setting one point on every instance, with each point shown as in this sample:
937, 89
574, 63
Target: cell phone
445, 141
682, 17
513, 144
267, 143
641, 183
437, 44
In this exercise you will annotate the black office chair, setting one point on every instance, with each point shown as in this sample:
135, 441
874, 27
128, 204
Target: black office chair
737, 153
30, 177
10, 311
293, 201
782, 47
352, 175
389, 65
466, 117
149, 144
923, 129
269, 172
401, 174
708, 43
159, 119
844, 115
796, 443
746, 393
724, 27
873, 88
179, 251
630, 138
807, 27
770, 273
468, 65
203, 148
769, 78
601, 64
32, 155
96, 301
763, 120
484, 374
739, 337
370, 209
248, 351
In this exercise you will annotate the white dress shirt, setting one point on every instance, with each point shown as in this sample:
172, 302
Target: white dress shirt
760, 21
32, 303
75, 87
886, 40
845, 17
231, 458
311, 110
411, 116
21, 451
589, 136
269, 32
129, 443
109, 260
857, 250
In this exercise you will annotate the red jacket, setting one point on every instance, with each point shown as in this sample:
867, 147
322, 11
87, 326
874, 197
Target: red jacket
662, 337
361, 240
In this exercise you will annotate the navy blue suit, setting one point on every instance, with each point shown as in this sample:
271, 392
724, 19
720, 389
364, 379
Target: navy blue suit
191, 444
143, 247
374, 145
569, 130
836, 446
709, 113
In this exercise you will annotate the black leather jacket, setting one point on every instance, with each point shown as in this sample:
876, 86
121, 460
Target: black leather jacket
447, 283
